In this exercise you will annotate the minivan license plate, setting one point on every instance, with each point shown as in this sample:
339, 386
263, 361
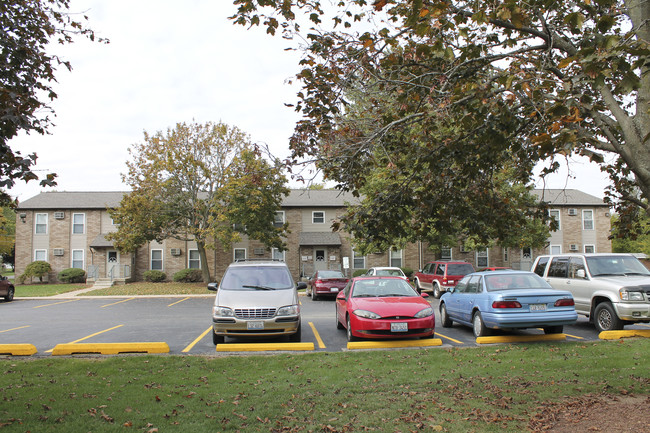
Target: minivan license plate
537, 307
255, 325
399, 327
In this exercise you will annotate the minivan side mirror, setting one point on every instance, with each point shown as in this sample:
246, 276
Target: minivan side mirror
213, 286
301, 285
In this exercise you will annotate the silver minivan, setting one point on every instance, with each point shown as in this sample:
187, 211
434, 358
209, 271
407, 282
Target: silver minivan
256, 299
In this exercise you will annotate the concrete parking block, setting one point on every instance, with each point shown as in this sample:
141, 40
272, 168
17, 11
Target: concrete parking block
428, 342
520, 338
263, 347
110, 348
17, 349
615, 335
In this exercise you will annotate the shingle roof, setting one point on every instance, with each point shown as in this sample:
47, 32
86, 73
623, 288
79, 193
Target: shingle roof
296, 198
319, 238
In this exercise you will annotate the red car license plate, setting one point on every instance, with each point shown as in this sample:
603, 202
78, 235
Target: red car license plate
399, 327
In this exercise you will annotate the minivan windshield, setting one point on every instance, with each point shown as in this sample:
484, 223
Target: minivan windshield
256, 278
600, 266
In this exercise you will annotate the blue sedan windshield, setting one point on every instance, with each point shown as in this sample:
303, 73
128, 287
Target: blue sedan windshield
514, 282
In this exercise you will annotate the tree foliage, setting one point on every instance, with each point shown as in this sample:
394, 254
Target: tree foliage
438, 111
194, 183
27, 72
38, 269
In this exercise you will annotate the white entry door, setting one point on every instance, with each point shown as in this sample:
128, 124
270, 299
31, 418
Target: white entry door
320, 259
112, 264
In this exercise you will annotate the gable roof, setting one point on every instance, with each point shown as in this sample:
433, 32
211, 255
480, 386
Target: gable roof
296, 198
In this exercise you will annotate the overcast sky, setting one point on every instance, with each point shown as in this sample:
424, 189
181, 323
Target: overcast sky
169, 62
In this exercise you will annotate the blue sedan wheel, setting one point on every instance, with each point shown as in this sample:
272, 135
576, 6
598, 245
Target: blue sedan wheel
444, 317
478, 326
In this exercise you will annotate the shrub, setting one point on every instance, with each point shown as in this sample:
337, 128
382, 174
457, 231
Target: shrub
72, 275
359, 272
155, 276
408, 272
37, 269
188, 276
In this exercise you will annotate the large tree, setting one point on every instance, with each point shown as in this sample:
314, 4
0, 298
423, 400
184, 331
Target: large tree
27, 71
197, 182
462, 99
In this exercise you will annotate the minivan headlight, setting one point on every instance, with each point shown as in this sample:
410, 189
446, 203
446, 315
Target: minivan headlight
222, 312
289, 310
631, 295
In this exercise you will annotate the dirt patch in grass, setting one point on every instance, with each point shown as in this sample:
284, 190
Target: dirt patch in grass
608, 413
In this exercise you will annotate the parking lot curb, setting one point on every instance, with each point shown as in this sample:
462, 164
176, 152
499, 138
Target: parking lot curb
17, 349
263, 347
615, 335
429, 342
109, 348
520, 338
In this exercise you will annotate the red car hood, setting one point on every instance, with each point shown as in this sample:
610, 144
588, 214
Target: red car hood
390, 306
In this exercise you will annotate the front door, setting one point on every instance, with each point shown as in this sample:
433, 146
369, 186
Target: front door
320, 259
112, 264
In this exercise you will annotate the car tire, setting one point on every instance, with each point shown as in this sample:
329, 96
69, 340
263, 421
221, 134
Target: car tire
314, 296
437, 293
553, 329
444, 317
478, 326
218, 339
605, 318
349, 331
10, 295
339, 325
417, 286
297, 337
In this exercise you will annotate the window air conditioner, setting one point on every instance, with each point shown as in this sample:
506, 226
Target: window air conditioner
258, 251
57, 251
176, 251
573, 211
59, 215
573, 247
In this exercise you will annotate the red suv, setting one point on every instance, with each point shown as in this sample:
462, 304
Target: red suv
440, 276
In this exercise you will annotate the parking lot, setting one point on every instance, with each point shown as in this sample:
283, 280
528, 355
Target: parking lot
184, 324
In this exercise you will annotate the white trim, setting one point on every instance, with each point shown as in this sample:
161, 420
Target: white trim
46, 224
281, 254
234, 254
550, 249
189, 258
483, 254
162, 259
593, 222
43, 251
83, 224
313, 217
589, 245
558, 219
83, 258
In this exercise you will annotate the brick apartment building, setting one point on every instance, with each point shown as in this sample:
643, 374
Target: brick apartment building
67, 230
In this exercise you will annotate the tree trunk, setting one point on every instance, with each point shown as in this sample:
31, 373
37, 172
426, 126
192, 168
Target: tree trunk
205, 270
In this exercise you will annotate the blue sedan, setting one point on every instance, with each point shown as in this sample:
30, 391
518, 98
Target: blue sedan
507, 300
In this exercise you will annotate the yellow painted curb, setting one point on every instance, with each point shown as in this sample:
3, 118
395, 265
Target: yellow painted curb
261, 347
17, 349
615, 335
394, 344
520, 338
110, 348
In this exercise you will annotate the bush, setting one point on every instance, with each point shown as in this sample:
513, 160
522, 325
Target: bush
155, 276
359, 272
72, 275
37, 269
408, 272
188, 276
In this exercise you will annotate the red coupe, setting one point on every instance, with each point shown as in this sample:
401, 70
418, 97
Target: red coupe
382, 308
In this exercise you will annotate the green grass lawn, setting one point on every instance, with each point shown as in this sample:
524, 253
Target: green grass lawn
485, 389
141, 288
35, 290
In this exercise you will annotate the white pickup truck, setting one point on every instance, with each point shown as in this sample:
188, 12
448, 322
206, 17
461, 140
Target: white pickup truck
613, 290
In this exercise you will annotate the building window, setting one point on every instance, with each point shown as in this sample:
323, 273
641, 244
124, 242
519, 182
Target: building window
156, 260
318, 217
358, 261
40, 255
587, 220
395, 258
41, 224
555, 214
78, 259
278, 220
556, 249
505, 255
78, 223
240, 254
590, 248
276, 254
193, 259
482, 259
445, 253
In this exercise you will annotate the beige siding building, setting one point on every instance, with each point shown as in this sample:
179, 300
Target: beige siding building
67, 230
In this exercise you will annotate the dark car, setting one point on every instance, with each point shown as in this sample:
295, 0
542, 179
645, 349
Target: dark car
440, 276
326, 283
7, 289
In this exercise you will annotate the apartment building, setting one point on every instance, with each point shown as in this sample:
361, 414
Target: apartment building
67, 229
